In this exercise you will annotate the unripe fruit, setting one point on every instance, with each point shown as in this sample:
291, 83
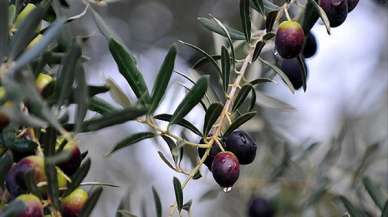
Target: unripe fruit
289, 39
34, 41
242, 145
4, 120
260, 207
310, 46
71, 165
74, 202
24, 14
213, 152
352, 4
293, 71
34, 207
336, 11
226, 169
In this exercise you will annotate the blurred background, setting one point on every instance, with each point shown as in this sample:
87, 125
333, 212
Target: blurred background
336, 134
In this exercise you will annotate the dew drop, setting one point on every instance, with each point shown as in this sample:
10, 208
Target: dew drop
226, 190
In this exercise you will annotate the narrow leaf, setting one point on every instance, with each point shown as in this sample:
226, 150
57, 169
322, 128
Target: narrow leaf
135, 138
212, 114
91, 203
259, 46
117, 117
384, 213
128, 69
163, 78
164, 159
67, 74
187, 206
349, 206
212, 60
271, 18
100, 106
239, 121
52, 181
26, 32
225, 63
375, 192
4, 29
303, 70
212, 26
259, 5
183, 122
81, 98
282, 75
321, 14
241, 96
78, 177
158, 204
50, 35
118, 94
6, 162
245, 18
192, 98
178, 193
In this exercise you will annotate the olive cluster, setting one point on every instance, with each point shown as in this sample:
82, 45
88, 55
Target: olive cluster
291, 40
239, 148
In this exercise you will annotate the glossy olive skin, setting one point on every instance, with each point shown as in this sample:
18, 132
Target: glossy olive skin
352, 4
289, 39
73, 203
336, 11
14, 179
72, 164
260, 207
293, 71
242, 145
225, 169
310, 46
213, 152
33, 206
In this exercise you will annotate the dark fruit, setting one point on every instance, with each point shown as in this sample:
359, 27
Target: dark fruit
34, 207
14, 179
336, 11
226, 169
289, 39
310, 46
213, 152
74, 202
260, 207
352, 4
293, 70
242, 145
72, 164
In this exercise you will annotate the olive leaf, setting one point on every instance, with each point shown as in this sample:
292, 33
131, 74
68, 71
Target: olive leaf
212, 114
375, 192
163, 78
321, 14
240, 120
113, 118
183, 122
349, 206
127, 68
135, 138
158, 204
192, 98
214, 27
100, 106
225, 63
245, 18
241, 96
78, 177
4, 28
303, 70
6, 162
91, 202
178, 193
